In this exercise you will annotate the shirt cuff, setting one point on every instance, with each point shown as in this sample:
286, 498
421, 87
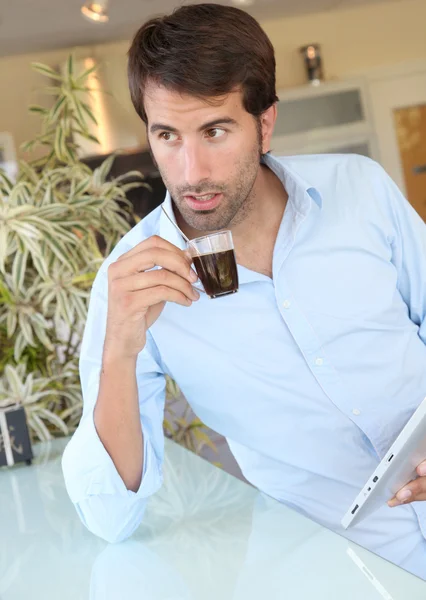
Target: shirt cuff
89, 470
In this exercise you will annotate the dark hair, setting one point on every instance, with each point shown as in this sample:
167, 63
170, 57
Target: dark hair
205, 50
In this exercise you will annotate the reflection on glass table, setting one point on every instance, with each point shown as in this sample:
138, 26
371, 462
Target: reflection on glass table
205, 535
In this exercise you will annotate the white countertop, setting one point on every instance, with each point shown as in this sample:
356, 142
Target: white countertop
205, 536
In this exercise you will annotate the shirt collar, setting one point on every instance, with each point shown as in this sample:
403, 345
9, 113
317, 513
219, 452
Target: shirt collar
167, 230
299, 190
301, 194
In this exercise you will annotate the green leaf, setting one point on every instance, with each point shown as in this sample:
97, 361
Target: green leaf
168, 427
73, 410
202, 437
57, 108
82, 78
60, 144
128, 175
29, 172
48, 298
42, 336
4, 234
80, 309
135, 185
36, 396
84, 278
35, 108
70, 65
20, 344
39, 427
70, 153
13, 380
50, 416
5, 182
25, 329
78, 113
19, 268
106, 167
11, 323
5, 295
33, 247
46, 70
56, 248
89, 112
40, 265
63, 307
25, 230
54, 90
82, 187
89, 136
28, 146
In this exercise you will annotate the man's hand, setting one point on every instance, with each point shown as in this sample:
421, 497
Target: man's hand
413, 491
137, 293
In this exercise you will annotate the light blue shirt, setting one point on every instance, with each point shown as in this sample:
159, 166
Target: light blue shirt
309, 375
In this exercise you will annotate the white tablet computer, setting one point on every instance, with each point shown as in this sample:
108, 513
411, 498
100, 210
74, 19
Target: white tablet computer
397, 468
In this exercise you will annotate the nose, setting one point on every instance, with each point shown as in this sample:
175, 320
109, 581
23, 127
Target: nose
196, 165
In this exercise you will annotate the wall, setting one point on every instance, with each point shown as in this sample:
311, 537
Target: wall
353, 40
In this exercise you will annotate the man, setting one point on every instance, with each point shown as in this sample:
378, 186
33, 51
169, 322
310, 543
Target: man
315, 365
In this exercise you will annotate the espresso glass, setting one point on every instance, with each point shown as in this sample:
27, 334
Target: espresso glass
214, 260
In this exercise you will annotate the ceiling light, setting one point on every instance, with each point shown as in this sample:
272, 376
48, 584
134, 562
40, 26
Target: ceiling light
96, 11
243, 2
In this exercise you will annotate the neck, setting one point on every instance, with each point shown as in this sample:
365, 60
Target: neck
254, 238
266, 205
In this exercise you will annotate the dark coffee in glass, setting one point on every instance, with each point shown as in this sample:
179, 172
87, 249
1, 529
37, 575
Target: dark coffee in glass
214, 260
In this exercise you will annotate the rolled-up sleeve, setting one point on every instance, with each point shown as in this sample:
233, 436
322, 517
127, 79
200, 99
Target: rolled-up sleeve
106, 507
408, 248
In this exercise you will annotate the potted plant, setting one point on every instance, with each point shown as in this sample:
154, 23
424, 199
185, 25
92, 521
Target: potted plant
52, 218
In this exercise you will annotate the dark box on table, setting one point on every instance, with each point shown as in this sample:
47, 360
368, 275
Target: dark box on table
15, 444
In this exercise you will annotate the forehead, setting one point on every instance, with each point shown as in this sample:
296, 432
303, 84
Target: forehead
172, 107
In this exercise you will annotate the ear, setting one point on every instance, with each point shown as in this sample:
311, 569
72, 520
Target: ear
267, 120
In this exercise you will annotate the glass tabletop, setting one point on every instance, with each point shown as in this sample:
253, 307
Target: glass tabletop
205, 535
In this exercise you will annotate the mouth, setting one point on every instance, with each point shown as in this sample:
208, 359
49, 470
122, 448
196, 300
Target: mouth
204, 201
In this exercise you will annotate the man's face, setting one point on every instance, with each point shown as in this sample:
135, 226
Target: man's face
208, 155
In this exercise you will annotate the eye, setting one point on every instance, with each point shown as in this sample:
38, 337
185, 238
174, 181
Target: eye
168, 136
214, 133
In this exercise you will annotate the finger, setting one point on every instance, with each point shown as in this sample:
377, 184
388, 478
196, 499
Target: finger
143, 281
413, 491
421, 469
155, 241
154, 257
161, 293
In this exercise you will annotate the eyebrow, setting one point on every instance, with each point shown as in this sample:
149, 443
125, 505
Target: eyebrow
224, 121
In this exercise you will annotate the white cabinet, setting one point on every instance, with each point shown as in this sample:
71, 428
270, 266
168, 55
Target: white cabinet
332, 117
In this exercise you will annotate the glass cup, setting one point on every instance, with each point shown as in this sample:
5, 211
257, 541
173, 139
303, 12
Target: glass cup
214, 260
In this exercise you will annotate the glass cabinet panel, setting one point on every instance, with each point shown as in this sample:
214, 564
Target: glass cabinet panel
318, 112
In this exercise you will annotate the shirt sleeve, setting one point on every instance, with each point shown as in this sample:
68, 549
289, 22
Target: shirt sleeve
105, 506
408, 250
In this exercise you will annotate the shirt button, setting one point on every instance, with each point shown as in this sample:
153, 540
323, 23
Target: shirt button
287, 304
356, 412
319, 362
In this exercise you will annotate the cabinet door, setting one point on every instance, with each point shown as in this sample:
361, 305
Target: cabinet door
323, 111
399, 108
